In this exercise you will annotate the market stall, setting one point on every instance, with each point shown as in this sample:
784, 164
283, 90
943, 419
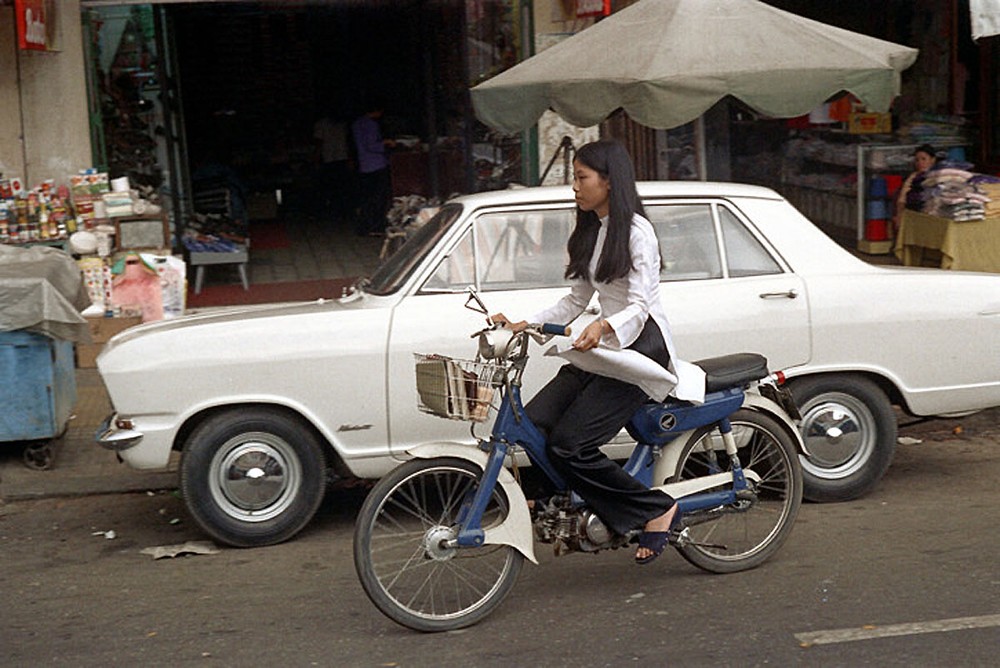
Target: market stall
115, 240
926, 240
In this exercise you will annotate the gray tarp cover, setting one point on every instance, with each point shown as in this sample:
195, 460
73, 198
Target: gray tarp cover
42, 291
665, 62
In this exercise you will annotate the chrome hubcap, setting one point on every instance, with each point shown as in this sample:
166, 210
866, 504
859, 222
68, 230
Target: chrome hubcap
255, 477
839, 433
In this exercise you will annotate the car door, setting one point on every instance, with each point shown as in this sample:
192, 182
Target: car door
516, 258
724, 289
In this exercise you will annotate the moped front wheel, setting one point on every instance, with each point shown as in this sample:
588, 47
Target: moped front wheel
743, 535
402, 553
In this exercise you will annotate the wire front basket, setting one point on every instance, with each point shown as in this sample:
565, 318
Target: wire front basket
456, 389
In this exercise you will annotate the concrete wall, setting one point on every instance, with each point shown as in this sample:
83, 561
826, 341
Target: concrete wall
11, 150
49, 106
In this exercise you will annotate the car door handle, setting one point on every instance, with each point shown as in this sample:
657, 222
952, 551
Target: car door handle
787, 294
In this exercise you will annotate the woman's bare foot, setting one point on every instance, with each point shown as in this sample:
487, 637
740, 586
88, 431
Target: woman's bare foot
657, 524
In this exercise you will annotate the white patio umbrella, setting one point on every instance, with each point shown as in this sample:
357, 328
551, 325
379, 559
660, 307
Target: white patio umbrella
666, 62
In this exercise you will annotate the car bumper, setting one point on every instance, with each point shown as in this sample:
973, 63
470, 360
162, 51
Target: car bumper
115, 434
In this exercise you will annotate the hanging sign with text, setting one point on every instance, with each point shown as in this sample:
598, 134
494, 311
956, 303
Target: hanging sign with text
592, 8
36, 22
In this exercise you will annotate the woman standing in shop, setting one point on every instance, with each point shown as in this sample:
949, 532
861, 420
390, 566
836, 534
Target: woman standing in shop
614, 252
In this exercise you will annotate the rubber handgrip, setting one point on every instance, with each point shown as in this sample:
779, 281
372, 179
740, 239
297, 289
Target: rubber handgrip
558, 330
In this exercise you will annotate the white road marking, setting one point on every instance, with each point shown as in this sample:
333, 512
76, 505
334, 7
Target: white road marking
915, 628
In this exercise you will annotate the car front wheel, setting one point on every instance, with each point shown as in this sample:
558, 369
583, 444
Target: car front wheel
849, 429
252, 476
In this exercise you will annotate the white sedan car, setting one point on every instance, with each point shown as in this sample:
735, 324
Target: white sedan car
263, 402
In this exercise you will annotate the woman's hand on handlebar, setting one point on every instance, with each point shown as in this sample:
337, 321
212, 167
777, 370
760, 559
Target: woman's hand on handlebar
591, 336
504, 321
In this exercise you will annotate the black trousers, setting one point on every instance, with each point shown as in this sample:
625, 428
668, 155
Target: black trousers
579, 412
376, 196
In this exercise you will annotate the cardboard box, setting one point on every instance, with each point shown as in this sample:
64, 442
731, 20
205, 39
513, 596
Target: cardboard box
86, 355
101, 331
869, 123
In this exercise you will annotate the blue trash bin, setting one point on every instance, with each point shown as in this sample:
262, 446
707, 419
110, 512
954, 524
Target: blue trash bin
37, 386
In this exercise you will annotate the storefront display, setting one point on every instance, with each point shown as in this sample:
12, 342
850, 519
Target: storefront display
40, 215
951, 219
846, 182
102, 221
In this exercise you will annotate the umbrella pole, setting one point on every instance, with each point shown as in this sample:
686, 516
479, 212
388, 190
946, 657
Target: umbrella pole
567, 150
701, 152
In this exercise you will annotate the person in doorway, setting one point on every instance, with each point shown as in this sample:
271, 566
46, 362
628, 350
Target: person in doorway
924, 157
614, 252
374, 180
330, 135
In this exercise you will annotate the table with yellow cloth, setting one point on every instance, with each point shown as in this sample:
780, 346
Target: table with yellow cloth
972, 245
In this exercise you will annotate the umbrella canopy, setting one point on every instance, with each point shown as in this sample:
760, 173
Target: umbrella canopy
668, 61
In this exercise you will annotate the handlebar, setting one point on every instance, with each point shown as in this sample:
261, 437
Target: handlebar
545, 328
555, 330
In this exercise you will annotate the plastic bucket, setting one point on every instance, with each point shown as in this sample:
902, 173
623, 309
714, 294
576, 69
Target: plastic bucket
877, 208
893, 183
878, 187
876, 229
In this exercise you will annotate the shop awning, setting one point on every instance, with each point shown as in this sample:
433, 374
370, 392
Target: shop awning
984, 18
666, 62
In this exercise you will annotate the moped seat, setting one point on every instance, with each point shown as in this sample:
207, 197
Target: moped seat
736, 370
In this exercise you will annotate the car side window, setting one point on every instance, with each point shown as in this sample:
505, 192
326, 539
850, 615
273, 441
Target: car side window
457, 270
522, 250
517, 250
745, 256
688, 245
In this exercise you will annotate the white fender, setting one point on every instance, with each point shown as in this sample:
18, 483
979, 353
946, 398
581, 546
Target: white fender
666, 463
755, 401
516, 529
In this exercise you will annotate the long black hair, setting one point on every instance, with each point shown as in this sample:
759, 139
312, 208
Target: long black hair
608, 158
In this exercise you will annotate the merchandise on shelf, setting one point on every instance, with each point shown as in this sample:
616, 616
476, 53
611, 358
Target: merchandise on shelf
48, 213
40, 214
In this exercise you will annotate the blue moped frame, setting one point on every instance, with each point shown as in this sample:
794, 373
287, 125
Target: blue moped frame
653, 426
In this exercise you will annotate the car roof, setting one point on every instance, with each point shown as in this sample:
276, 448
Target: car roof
647, 189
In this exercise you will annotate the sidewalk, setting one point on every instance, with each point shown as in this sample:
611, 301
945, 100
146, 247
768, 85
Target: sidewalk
316, 250
79, 466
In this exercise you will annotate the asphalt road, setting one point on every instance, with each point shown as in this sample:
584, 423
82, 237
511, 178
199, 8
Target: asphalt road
908, 576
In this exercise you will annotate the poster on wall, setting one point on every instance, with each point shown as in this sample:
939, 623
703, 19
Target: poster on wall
36, 24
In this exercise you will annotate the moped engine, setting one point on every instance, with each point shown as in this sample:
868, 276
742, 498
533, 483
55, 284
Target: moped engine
572, 529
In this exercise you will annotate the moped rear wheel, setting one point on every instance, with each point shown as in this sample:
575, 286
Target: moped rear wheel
401, 555
743, 535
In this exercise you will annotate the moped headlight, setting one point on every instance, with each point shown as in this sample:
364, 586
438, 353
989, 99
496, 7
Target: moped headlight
494, 344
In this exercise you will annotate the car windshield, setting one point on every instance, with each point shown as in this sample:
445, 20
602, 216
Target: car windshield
393, 273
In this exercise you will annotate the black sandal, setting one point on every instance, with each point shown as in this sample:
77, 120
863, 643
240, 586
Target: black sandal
654, 541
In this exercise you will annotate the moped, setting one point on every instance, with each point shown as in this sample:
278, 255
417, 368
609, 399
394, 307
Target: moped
440, 540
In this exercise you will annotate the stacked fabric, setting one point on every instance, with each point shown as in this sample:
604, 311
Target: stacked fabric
990, 187
951, 190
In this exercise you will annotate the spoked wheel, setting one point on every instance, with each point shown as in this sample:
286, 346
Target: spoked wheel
401, 550
739, 537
